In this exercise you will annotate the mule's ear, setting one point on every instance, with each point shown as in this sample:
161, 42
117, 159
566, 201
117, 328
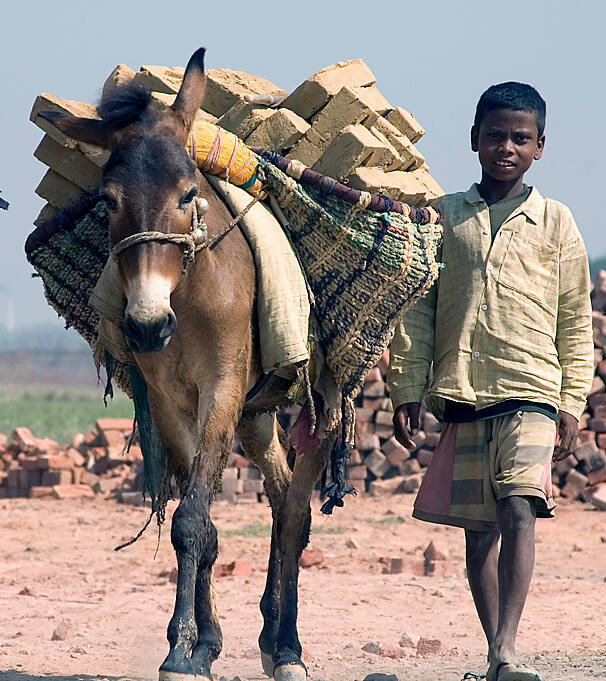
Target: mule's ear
192, 89
82, 129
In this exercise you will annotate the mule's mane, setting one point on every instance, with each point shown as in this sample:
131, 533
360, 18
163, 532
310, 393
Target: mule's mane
123, 104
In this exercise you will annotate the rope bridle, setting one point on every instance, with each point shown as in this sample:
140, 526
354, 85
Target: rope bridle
197, 238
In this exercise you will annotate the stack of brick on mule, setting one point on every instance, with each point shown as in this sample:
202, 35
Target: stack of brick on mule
336, 122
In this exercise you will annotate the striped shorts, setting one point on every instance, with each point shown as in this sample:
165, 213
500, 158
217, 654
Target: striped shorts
477, 463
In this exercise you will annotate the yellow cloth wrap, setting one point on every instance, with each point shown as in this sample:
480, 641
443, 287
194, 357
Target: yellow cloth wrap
222, 153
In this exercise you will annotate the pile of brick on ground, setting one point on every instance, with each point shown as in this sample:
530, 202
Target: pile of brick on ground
336, 122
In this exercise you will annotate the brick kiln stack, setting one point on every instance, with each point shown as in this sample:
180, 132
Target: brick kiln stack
336, 122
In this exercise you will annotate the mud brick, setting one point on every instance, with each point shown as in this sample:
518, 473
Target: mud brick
23, 478
3, 441
424, 456
12, 479
116, 454
232, 486
377, 463
238, 568
354, 146
121, 75
314, 93
123, 424
38, 492
375, 389
405, 565
382, 488
47, 102
431, 423
60, 477
225, 87
373, 97
586, 436
255, 486
597, 476
230, 474
436, 551
354, 458
395, 452
373, 403
238, 461
388, 158
410, 484
586, 451
406, 123
374, 375
384, 432
575, 483
442, 568
597, 400
3, 477
72, 491
583, 421
597, 386
69, 163
107, 485
34, 479
397, 184
594, 462
419, 438
3, 492
57, 462
357, 472
384, 418
568, 464
113, 438
23, 438
410, 157
30, 464
601, 368
244, 118
58, 191
368, 442
345, 108
598, 498
75, 456
597, 425
279, 131
432, 440
250, 473
598, 412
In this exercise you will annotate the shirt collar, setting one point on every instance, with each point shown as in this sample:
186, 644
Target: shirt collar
532, 207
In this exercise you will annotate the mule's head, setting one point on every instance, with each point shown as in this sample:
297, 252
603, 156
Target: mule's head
150, 183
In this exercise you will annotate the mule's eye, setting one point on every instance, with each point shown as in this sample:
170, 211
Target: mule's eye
188, 198
111, 203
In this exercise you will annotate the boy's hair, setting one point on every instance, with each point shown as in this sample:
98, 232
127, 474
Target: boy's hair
515, 97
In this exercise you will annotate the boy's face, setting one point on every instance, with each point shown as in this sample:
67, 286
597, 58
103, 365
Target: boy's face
507, 143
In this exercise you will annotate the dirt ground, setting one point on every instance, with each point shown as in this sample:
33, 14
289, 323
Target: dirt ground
57, 563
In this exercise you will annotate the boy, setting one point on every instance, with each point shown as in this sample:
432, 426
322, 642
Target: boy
508, 329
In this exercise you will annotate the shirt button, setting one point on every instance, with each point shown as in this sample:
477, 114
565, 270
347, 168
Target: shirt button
476, 354
490, 267
484, 307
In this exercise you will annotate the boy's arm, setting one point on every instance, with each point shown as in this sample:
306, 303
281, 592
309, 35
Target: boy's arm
574, 334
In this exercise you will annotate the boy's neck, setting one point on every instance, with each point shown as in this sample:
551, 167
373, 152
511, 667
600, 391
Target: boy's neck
492, 190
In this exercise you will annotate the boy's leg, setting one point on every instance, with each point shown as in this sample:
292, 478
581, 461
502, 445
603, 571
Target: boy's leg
516, 517
481, 555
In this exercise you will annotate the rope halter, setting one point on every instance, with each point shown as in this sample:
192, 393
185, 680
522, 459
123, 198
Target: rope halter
189, 243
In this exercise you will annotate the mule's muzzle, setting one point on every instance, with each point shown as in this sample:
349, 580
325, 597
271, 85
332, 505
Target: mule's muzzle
151, 336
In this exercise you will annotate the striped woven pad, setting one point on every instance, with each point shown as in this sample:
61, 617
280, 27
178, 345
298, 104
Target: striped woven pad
364, 268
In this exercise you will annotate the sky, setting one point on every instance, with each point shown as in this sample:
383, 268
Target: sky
431, 57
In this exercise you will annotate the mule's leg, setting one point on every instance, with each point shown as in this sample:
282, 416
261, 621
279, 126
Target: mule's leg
194, 539
263, 441
293, 526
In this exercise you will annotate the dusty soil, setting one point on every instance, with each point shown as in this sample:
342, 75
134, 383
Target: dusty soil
57, 563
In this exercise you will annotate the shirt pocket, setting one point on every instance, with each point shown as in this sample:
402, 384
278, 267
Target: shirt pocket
529, 267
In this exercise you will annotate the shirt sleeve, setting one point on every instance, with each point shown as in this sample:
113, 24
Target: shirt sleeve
411, 351
574, 334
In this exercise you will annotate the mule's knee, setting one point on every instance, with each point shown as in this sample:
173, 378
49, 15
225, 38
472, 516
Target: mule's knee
192, 532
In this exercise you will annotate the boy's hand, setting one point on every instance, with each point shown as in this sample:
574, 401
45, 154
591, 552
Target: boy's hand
406, 423
566, 441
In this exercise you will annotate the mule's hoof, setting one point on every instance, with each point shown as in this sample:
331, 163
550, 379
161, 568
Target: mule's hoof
290, 672
180, 676
267, 663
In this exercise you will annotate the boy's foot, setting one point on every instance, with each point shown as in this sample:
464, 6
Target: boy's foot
506, 671
478, 675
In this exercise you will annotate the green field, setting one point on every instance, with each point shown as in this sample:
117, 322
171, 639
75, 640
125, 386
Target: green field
57, 412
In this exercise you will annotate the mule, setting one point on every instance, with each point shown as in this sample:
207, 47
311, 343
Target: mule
193, 339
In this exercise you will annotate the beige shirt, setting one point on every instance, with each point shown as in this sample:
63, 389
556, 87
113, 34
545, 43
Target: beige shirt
509, 318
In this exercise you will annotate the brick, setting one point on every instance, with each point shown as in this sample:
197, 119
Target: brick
410, 157
396, 453
597, 425
123, 424
375, 389
585, 451
375, 403
410, 467
377, 463
238, 461
357, 472
40, 492
431, 423
388, 158
225, 87
232, 486
12, 479
354, 146
406, 123
71, 164
113, 438
436, 551
230, 474
72, 491
598, 499
30, 463
408, 640
575, 483
314, 93
368, 442
586, 436
121, 75
373, 376
311, 556
597, 386
594, 462
107, 485
58, 191
410, 484
130, 498
428, 646
432, 440
279, 131
424, 456
373, 97
23, 438
237, 568
567, 464
345, 108
57, 462
75, 456
45, 214
255, 486
405, 565
243, 118
60, 477
441, 568
354, 458
597, 476
397, 185
382, 488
